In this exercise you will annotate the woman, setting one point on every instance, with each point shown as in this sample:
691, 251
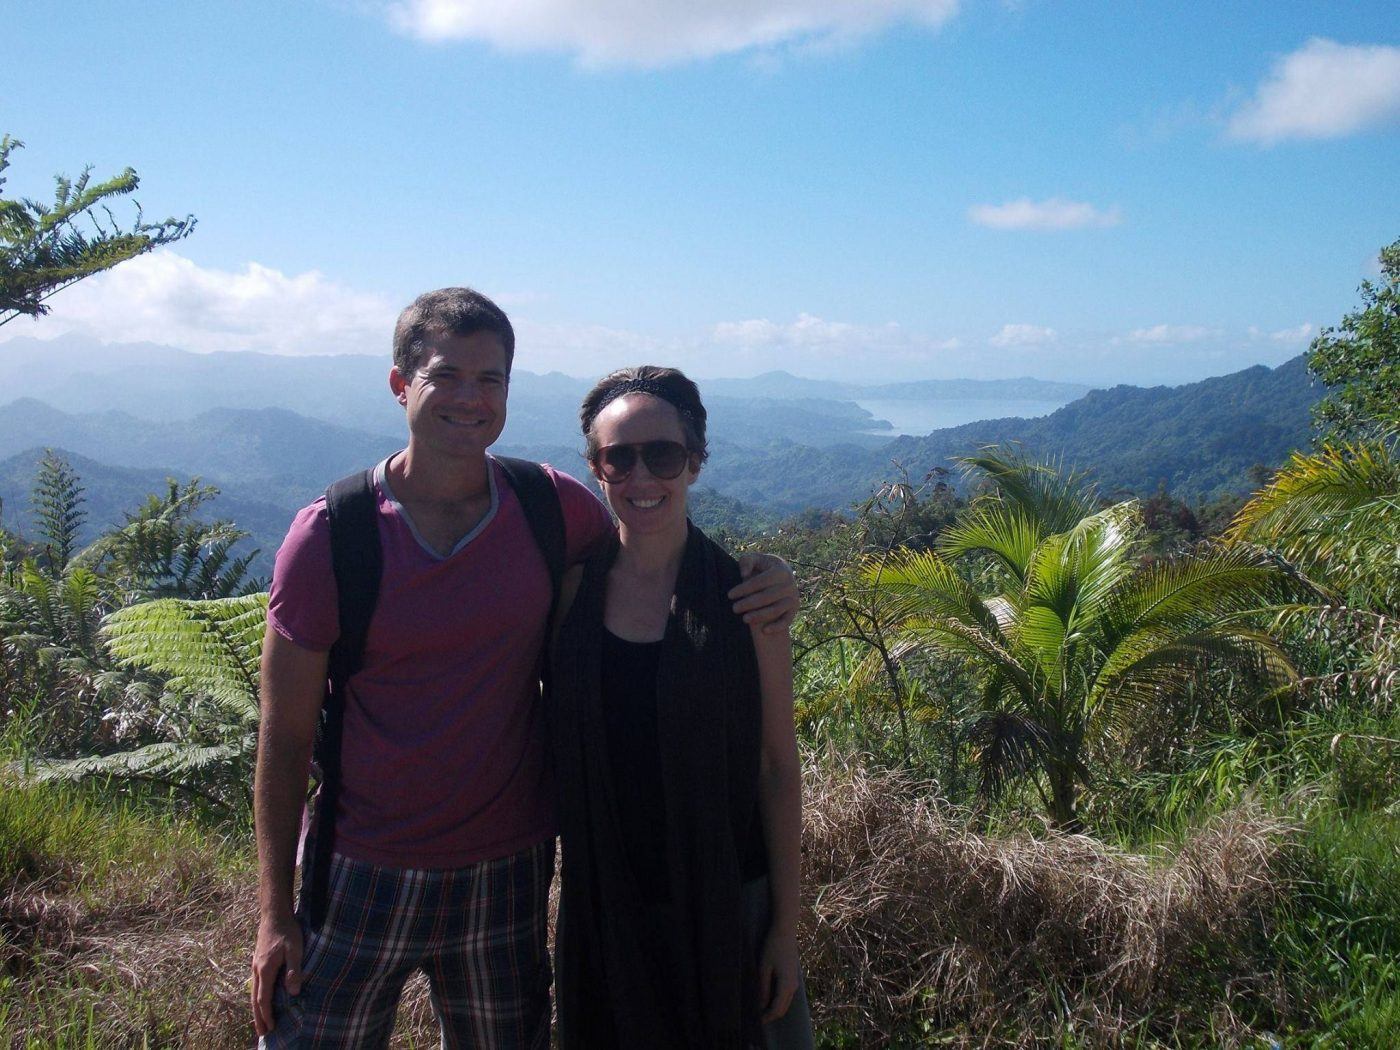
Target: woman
680, 796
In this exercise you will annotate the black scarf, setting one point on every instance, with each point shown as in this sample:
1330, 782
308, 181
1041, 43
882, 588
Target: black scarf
680, 976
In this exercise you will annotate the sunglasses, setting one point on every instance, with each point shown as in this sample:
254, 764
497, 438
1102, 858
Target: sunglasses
664, 459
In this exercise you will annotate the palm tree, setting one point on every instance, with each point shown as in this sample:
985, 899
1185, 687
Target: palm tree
1044, 594
1336, 515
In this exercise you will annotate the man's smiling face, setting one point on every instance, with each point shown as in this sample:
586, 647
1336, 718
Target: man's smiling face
456, 400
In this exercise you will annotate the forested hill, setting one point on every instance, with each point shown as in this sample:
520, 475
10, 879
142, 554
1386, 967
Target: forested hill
1200, 440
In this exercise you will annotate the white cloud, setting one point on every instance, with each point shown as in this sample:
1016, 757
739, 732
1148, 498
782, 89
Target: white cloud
1298, 336
589, 350
815, 342
1323, 90
658, 32
1053, 214
168, 299
806, 331
165, 298
1171, 333
809, 345
1023, 335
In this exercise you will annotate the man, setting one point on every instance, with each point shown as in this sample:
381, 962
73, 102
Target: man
444, 826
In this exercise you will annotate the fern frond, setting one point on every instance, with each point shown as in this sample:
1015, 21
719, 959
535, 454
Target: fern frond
211, 646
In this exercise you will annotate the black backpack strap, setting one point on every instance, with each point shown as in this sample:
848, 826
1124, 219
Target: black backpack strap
357, 561
540, 500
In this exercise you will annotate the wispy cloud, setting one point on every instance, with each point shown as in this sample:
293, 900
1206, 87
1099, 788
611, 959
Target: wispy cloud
659, 32
817, 341
1171, 333
1053, 214
166, 298
1298, 336
809, 345
1323, 90
807, 330
1023, 335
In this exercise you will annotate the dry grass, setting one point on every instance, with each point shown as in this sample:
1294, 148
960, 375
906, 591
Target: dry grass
917, 924
145, 948
117, 931
138, 934
145, 963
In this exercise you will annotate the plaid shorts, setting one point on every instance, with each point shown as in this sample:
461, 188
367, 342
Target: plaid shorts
479, 933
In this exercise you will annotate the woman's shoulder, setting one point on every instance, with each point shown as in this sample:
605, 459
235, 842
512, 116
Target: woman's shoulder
726, 565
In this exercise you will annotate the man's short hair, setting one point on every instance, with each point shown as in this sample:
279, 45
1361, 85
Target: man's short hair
447, 311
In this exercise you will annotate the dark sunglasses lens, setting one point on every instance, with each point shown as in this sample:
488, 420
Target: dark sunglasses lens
617, 461
665, 459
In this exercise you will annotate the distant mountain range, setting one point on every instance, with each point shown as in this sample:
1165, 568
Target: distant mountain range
288, 455
271, 432
786, 385
111, 492
82, 376
1199, 440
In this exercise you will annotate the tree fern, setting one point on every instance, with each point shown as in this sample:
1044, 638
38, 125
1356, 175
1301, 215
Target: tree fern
43, 247
206, 654
58, 501
209, 648
163, 550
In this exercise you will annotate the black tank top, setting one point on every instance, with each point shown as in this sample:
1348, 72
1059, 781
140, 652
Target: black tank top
634, 760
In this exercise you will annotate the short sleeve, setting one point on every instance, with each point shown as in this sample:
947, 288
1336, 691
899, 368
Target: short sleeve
302, 605
586, 520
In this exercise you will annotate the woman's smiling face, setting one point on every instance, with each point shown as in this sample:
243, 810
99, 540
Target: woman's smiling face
644, 503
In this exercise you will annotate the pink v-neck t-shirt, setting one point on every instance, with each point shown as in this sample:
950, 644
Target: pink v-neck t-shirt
443, 760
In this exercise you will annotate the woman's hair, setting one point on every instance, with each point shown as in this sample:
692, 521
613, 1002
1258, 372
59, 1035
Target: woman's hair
669, 384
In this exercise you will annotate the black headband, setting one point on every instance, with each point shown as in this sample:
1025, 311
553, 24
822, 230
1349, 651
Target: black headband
645, 386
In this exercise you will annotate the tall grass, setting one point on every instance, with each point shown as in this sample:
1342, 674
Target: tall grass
1338, 934
119, 929
122, 928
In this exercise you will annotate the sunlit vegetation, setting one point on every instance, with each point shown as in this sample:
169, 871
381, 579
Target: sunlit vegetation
1081, 769
1077, 769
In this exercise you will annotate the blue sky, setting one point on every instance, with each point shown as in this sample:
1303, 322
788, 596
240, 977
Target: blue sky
873, 189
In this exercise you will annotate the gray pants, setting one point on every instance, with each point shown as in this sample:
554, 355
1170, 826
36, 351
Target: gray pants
792, 1031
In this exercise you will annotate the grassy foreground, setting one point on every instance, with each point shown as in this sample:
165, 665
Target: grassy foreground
1257, 927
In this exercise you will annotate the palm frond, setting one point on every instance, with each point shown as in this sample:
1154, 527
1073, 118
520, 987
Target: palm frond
1195, 591
923, 584
1312, 490
1336, 514
955, 637
1151, 664
1074, 572
1005, 746
1045, 493
1006, 532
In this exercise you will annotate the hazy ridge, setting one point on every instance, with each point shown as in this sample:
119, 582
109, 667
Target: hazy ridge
271, 432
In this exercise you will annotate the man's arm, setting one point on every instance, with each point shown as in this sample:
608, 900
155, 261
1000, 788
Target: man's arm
293, 685
780, 809
767, 597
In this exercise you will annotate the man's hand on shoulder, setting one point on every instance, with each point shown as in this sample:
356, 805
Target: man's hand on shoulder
767, 597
